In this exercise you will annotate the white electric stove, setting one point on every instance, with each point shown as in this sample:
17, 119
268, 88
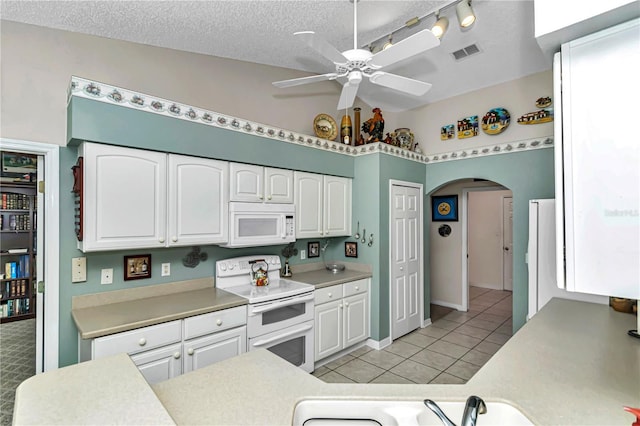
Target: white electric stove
280, 315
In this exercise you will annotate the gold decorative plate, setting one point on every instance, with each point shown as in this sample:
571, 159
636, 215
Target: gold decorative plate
325, 127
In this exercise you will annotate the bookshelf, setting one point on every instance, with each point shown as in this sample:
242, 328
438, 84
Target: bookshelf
18, 242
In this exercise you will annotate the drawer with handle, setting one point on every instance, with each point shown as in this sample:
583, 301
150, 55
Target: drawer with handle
328, 294
138, 340
214, 321
355, 287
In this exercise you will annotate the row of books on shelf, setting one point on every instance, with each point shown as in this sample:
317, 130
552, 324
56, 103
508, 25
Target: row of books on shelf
19, 269
13, 201
16, 222
15, 307
14, 288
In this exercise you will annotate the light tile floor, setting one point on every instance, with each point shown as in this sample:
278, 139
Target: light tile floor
450, 351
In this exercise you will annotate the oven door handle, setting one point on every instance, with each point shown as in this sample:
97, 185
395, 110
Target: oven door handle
293, 332
261, 309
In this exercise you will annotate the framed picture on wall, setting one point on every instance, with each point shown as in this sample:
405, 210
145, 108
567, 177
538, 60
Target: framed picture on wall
137, 267
350, 249
444, 208
313, 249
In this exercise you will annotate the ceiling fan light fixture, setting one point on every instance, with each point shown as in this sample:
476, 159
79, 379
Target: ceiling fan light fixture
465, 14
440, 27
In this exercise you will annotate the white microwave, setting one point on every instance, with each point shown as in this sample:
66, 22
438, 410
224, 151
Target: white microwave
260, 224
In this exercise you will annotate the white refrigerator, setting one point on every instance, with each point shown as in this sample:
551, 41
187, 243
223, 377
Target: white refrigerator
541, 259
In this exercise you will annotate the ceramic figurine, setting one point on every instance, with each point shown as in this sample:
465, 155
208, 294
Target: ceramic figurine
374, 127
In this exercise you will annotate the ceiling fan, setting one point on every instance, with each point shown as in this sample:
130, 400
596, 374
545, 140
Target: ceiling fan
356, 64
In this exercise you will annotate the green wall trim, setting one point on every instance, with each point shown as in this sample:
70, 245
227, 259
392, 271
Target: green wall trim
93, 121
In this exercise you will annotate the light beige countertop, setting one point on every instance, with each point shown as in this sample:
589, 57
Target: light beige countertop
106, 313
106, 391
573, 363
317, 275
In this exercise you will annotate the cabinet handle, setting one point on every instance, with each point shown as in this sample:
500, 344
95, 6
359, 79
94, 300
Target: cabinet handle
174, 239
176, 355
402, 268
142, 341
161, 240
219, 322
357, 288
190, 351
269, 197
341, 306
261, 197
330, 295
346, 304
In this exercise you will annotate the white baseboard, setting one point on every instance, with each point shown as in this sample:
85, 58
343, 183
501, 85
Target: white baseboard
426, 323
490, 286
375, 344
447, 304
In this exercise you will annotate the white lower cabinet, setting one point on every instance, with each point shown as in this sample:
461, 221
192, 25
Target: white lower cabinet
169, 349
341, 317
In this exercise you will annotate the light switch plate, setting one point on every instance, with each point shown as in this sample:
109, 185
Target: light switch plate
106, 276
78, 269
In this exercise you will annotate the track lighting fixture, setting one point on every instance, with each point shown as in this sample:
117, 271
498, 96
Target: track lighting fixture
441, 25
465, 14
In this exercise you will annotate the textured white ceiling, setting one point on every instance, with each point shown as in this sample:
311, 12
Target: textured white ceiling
262, 32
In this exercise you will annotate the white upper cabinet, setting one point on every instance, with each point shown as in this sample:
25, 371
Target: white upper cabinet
198, 200
144, 199
323, 205
124, 199
597, 158
257, 184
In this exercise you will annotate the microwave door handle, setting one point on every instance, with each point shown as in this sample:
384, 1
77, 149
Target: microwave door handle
278, 305
293, 332
283, 222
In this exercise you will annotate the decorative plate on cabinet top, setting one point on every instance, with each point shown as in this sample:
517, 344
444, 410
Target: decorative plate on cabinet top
325, 127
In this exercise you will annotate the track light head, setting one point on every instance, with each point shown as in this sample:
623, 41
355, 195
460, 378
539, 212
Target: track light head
465, 14
440, 27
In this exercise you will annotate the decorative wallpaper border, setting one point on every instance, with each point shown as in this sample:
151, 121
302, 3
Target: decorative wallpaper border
102, 92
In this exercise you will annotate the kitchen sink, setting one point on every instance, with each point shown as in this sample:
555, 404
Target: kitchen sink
317, 412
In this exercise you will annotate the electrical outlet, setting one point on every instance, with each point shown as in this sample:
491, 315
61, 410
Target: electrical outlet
166, 269
78, 269
303, 254
106, 276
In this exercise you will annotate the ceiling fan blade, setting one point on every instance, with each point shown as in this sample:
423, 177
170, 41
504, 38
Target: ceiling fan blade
305, 80
399, 83
321, 46
410, 46
348, 95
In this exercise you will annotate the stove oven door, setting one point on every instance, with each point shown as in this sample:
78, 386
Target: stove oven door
294, 344
273, 315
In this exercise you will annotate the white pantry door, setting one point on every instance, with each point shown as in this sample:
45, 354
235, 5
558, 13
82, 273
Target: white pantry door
405, 259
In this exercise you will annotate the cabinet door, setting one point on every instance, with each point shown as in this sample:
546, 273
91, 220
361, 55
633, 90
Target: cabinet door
247, 182
278, 185
213, 348
124, 198
308, 200
356, 319
198, 200
160, 364
337, 206
328, 322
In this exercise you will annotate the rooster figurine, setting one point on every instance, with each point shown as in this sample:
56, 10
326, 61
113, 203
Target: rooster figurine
374, 127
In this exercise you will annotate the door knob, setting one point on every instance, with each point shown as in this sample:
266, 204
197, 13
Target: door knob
506, 249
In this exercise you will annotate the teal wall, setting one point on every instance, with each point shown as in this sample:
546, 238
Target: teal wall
528, 175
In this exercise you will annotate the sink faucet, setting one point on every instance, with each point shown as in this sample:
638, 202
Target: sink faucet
474, 406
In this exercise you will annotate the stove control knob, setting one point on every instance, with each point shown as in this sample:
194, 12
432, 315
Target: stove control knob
231, 266
223, 267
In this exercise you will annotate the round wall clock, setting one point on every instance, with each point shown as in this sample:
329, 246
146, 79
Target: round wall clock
325, 127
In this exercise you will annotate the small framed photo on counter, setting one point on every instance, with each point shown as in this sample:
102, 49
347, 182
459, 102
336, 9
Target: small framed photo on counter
351, 249
137, 267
